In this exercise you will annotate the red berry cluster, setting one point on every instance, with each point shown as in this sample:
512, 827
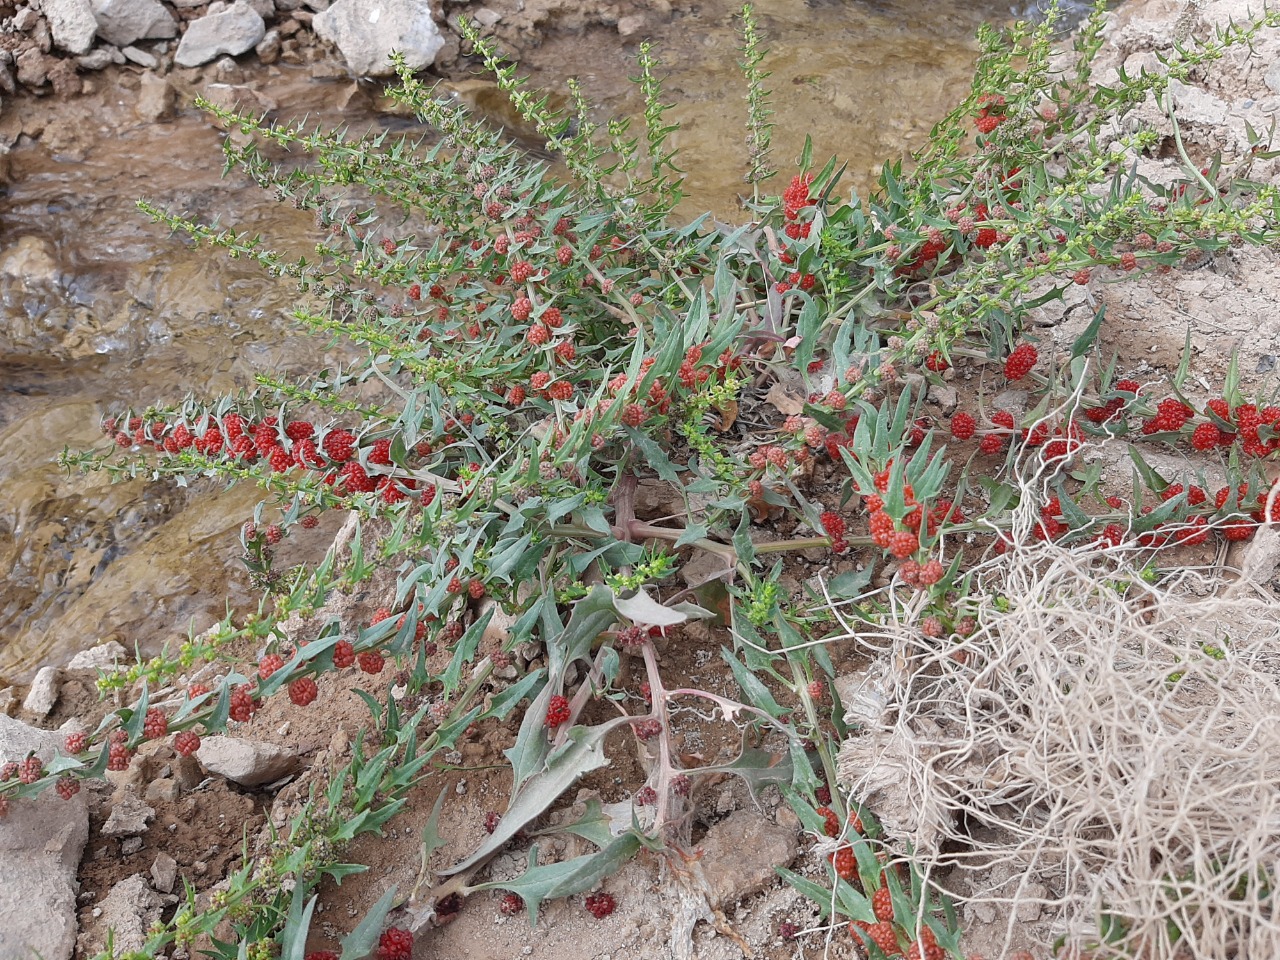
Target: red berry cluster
991, 113
396, 943
1020, 362
557, 711
600, 904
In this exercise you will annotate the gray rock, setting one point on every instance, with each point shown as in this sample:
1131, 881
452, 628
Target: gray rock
104, 655
945, 397
268, 48
162, 791
41, 841
128, 911
232, 33
129, 815
1272, 77
98, 59
319, 6
72, 23
25, 20
630, 25
238, 98
248, 763
123, 22
367, 31
739, 855
43, 693
140, 57
130, 846
164, 872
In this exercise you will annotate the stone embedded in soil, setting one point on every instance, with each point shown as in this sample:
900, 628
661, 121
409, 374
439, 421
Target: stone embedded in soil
72, 23
123, 22
41, 841
367, 31
43, 693
247, 762
164, 872
232, 32
739, 855
129, 815
128, 911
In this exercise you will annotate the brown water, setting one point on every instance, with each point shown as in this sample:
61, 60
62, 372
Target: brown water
128, 314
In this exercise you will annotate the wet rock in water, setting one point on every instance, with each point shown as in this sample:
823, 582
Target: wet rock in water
43, 693
238, 98
41, 841
123, 22
30, 261
155, 99
72, 24
367, 31
128, 911
101, 657
232, 32
248, 763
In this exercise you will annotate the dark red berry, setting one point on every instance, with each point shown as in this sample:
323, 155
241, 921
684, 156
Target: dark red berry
557, 711
396, 943
600, 904
187, 742
303, 691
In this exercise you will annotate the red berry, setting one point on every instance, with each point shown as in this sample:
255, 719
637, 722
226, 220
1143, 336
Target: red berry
187, 742
1081, 276
557, 711
963, 426
156, 724
243, 706
76, 743
882, 905
338, 445
371, 661
1019, 363
522, 309
511, 904
118, 757
396, 943
833, 525
269, 665
903, 544
830, 822
600, 904
30, 770
310, 521
538, 335
344, 655
516, 396
521, 271
68, 786
846, 864
303, 691
1205, 436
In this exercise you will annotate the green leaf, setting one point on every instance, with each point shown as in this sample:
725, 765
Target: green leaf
1089, 335
293, 940
359, 943
564, 879
753, 689
582, 753
818, 894
850, 584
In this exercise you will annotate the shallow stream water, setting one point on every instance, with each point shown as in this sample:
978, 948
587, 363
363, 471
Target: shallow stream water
100, 309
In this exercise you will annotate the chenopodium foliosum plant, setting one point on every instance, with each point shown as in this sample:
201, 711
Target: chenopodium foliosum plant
527, 347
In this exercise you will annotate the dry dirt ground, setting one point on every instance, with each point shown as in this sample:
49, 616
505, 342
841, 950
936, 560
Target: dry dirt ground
1227, 302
